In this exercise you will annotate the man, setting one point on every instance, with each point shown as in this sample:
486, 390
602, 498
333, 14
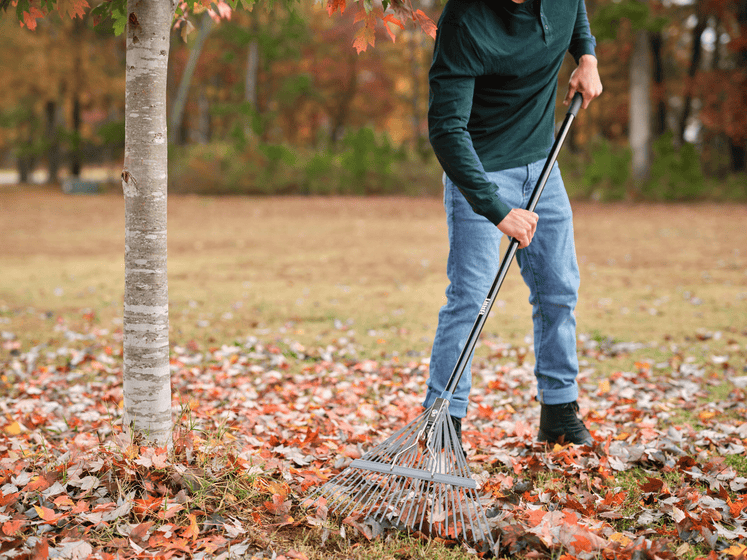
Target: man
493, 85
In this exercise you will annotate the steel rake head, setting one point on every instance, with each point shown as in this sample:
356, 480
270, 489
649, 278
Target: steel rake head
418, 479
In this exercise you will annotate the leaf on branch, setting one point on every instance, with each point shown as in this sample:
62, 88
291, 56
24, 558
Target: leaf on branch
366, 35
72, 8
30, 17
426, 24
334, 5
363, 37
389, 18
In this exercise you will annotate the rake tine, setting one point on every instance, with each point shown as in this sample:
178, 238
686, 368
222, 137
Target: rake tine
417, 479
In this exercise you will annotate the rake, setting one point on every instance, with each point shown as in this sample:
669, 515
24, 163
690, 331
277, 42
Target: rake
418, 479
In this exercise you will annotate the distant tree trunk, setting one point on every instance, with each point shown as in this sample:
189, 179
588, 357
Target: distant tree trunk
75, 156
417, 116
695, 56
660, 116
24, 165
147, 381
251, 79
26, 159
53, 142
203, 118
640, 106
75, 159
339, 112
738, 156
738, 146
180, 102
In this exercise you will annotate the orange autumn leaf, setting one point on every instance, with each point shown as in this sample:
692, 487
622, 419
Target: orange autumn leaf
193, 530
334, 5
37, 483
41, 550
47, 514
278, 506
30, 17
72, 8
10, 528
389, 18
426, 23
63, 501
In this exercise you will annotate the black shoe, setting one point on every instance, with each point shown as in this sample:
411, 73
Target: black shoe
559, 423
457, 423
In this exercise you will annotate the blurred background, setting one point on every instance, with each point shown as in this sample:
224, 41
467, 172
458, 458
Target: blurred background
279, 102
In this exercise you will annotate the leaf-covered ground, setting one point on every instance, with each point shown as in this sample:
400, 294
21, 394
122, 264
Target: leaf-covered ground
261, 421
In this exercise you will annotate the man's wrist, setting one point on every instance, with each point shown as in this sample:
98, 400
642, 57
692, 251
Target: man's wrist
587, 59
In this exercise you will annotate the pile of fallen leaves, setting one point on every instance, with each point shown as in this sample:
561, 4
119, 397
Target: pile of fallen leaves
261, 424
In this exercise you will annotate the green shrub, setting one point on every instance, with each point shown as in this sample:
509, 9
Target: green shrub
368, 163
607, 174
676, 174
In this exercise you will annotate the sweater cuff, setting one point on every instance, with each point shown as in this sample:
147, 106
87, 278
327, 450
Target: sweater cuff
582, 48
497, 211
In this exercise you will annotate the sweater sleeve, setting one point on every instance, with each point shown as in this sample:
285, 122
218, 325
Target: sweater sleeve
582, 41
452, 81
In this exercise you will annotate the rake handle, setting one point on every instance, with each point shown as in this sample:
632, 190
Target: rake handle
513, 245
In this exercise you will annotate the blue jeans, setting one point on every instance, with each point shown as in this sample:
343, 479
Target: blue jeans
548, 267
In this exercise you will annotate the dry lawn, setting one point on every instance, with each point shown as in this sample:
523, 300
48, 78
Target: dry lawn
373, 267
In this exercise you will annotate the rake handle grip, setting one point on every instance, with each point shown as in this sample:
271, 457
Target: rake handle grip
469, 347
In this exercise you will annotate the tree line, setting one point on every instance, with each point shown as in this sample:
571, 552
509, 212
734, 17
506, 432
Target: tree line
272, 85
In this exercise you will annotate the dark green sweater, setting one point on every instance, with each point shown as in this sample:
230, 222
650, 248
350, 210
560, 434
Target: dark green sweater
493, 83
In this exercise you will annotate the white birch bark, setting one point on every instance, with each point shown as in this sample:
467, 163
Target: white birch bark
147, 386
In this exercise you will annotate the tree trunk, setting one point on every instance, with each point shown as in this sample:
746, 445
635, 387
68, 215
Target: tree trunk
177, 111
53, 142
147, 387
695, 55
660, 117
77, 78
251, 79
738, 146
640, 106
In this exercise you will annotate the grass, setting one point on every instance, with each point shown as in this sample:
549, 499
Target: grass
368, 269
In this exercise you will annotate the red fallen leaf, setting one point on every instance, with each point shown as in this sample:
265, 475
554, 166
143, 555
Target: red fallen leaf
140, 532
735, 508
296, 555
364, 530
39, 483
41, 550
534, 517
193, 530
10, 528
170, 512
64, 501
80, 507
48, 515
8, 499
146, 505
278, 506
652, 485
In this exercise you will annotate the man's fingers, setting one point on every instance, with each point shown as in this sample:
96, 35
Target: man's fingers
521, 225
569, 95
